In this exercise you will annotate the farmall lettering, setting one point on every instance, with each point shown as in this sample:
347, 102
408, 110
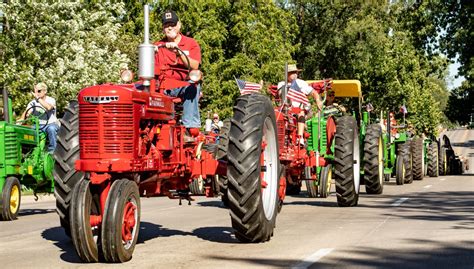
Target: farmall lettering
156, 102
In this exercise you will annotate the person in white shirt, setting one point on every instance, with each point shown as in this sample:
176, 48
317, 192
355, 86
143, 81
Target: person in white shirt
300, 85
44, 107
216, 124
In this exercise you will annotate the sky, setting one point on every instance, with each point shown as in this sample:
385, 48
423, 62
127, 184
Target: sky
451, 80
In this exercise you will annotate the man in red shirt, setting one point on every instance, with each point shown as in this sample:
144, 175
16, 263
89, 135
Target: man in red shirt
172, 63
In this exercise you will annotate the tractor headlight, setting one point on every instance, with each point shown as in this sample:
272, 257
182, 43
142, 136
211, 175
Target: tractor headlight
195, 75
126, 75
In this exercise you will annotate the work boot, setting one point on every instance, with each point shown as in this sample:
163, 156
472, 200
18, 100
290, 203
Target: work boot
189, 139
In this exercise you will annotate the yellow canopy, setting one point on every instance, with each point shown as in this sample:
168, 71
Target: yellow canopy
345, 88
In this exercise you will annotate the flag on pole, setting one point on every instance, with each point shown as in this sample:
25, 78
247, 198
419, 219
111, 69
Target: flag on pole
296, 95
403, 109
369, 107
246, 87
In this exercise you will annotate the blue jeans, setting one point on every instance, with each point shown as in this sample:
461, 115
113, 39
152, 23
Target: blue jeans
51, 130
190, 97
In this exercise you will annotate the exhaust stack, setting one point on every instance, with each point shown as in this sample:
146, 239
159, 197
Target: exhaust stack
146, 53
6, 105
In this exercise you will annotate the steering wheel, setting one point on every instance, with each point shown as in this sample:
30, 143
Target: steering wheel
34, 118
182, 53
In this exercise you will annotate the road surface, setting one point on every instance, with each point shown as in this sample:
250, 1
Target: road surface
426, 224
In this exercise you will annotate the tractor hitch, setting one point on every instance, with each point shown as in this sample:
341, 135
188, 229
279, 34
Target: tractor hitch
181, 194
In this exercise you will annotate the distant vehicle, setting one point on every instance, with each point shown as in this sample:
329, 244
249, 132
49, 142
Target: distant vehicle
471, 121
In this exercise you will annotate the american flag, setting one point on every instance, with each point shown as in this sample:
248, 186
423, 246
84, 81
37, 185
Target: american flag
296, 95
246, 87
404, 109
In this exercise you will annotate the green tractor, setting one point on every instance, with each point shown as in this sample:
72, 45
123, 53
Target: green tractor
24, 159
431, 157
398, 153
322, 143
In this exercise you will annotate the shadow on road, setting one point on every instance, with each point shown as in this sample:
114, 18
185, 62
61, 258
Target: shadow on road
28, 212
324, 202
216, 234
218, 204
148, 231
436, 255
63, 242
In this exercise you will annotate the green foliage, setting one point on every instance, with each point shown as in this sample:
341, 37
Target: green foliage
373, 42
67, 45
460, 104
391, 48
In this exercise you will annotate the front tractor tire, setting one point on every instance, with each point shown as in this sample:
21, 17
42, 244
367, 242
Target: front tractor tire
10, 199
325, 181
253, 169
221, 156
400, 169
67, 152
373, 160
85, 237
121, 222
347, 161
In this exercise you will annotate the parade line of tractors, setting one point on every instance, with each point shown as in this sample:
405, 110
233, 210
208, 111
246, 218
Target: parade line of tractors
118, 143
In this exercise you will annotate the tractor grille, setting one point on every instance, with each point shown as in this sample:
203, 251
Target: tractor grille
11, 146
309, 124
106, 128
281, 134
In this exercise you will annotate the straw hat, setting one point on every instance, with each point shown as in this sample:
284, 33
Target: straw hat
293, 68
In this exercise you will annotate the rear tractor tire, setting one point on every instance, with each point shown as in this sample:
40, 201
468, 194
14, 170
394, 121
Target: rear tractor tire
67, 152
253, 169
373, 160
347, 161
433, 160
442, 161
222, 157
405, 150
418, 158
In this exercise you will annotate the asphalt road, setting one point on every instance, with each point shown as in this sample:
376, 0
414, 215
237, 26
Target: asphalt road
427, 224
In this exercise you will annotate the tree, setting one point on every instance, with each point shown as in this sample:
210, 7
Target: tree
251, 40
67, 45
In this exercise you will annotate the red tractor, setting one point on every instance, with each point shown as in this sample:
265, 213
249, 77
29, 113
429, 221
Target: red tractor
334, 147
120, 142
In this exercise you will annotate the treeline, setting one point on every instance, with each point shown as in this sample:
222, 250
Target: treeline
396, 50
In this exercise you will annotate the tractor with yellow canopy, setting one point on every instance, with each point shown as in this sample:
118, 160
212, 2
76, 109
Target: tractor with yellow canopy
337, 135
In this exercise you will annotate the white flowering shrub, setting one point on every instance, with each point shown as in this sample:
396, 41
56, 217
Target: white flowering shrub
67, 45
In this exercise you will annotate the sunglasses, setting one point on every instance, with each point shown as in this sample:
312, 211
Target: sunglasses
170, 24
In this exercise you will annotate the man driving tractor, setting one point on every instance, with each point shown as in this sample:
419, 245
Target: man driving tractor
302, 86
175, 66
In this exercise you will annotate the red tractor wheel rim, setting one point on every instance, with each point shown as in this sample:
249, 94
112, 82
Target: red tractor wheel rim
129, 222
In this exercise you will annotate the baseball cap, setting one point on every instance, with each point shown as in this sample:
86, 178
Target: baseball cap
169, 17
